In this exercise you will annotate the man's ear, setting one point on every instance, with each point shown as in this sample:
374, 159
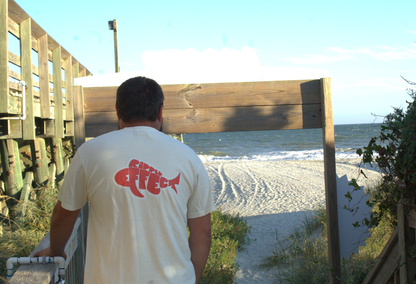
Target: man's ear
118, 115
159, 116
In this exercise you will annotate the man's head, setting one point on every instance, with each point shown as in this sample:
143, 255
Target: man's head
139, 99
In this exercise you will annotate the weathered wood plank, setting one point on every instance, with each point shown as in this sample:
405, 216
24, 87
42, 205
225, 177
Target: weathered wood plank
79, 117
219, 119
389, 267
27, 76
218, 95
4, 57
14, 75
57, 90
44, 77
68, 89
330, 182
13, 58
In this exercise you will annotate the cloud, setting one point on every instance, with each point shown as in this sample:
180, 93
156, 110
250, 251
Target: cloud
335, 54
172, 66
191, 59
225, 65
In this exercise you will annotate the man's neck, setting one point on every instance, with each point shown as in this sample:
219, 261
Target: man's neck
153, 124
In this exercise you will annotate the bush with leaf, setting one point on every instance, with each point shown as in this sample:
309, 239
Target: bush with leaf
394, 153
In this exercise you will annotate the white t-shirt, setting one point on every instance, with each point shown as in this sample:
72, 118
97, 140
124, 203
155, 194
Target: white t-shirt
142, 186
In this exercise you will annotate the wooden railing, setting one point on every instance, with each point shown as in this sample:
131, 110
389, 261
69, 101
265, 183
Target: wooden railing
37, 119
396, 263
48, 97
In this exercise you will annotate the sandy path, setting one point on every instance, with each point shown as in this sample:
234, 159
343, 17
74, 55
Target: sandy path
273, 196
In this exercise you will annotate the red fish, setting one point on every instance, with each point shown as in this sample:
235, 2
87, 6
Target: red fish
148, 178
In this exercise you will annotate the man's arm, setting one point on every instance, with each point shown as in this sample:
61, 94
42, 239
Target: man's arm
62, 223
199, 242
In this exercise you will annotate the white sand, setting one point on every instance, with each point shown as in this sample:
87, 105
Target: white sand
274, 197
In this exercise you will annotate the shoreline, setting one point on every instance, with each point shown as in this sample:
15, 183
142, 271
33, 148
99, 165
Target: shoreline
273, 197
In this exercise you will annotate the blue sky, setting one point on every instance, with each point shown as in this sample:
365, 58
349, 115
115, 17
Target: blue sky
364, 46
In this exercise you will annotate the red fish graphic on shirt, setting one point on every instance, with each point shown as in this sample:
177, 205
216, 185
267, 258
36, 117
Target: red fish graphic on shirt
148, 178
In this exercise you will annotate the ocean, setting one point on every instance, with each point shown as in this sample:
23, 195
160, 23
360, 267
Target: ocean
303, 144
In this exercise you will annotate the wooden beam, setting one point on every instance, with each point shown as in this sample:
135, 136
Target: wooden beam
219, 119
57, 90
44, 77
4, 57
194, 96
27, 76
13, 28
330, 182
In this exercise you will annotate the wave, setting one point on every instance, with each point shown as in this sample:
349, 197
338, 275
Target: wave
344, 153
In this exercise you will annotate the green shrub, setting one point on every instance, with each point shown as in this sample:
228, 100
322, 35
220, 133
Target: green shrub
228, 236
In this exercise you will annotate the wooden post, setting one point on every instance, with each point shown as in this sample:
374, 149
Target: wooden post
39, 161
68, 89
4, 57
75, 72
45, 101
83, 72
330, 182
57, 158
401, 224
27, 76
79, 117
113, 26
52, 176
57, 90
406, 240
24, 196
10, 159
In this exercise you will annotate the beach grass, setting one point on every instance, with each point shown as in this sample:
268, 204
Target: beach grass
21, 235
302, 257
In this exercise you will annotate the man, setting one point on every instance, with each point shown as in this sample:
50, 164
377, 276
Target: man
144, 187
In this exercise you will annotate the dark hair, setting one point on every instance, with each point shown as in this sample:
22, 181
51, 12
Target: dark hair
139, 99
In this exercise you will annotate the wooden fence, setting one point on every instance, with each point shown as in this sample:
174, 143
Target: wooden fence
396, 264
37, 121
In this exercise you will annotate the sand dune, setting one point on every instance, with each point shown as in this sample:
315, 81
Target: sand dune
274, 197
